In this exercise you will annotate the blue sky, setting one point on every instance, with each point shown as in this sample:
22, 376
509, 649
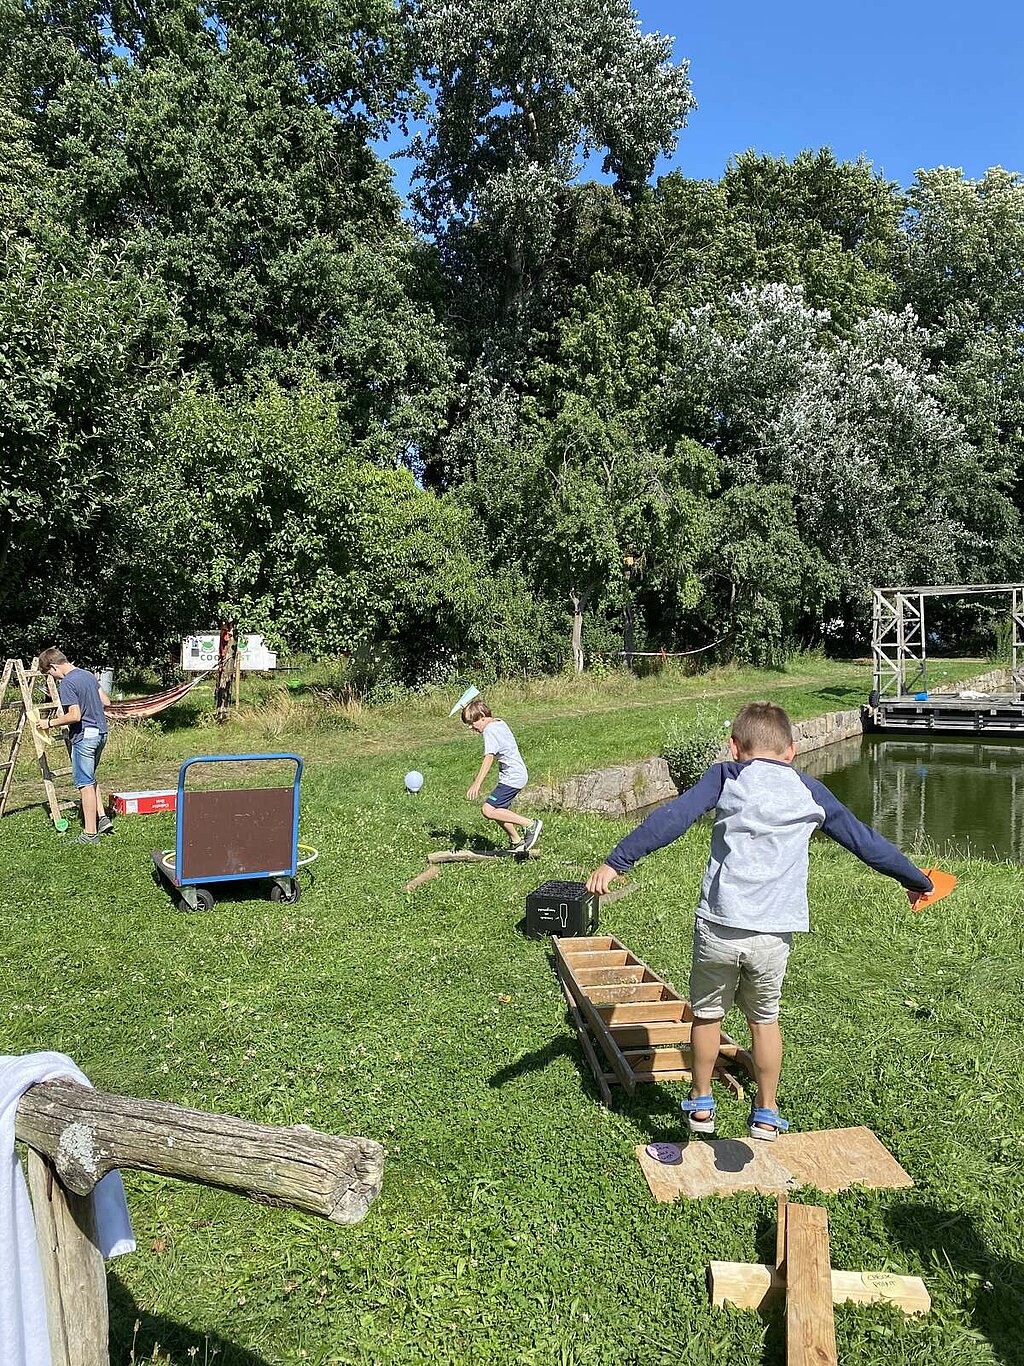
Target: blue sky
907, 83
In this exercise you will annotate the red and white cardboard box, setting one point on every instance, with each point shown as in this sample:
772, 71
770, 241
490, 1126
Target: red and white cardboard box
144, 803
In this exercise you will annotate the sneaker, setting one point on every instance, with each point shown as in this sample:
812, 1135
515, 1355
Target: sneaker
517, 848
105, 826
532, 834
87, 839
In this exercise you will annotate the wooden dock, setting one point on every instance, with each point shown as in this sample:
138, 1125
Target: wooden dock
950, 714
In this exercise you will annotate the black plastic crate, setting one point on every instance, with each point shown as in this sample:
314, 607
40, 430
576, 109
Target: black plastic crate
562, 908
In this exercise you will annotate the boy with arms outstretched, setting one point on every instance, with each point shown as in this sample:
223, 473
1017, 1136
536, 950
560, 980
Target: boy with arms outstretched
500, 743
754, 895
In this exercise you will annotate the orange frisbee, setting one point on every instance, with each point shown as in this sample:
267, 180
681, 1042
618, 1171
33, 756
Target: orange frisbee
942, 885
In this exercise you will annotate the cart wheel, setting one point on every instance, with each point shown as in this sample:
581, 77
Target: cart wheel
278, 893
204, 901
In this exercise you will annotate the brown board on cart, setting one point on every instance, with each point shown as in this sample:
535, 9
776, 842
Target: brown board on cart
633, 1026
228, 832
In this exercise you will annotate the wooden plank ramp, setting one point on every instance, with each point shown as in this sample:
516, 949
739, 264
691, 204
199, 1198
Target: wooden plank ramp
625, 1013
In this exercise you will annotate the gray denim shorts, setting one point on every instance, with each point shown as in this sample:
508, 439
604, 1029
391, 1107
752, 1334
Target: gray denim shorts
744, 966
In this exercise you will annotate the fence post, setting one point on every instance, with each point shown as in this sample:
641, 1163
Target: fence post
73, 1272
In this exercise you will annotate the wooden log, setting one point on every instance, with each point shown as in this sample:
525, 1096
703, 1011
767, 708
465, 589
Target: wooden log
752, 1286
74, 1277
87, 1133
610, 898
810, 1320
471, 856
418, 881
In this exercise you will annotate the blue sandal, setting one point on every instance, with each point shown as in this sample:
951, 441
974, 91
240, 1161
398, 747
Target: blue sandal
689, 1108
759, 1116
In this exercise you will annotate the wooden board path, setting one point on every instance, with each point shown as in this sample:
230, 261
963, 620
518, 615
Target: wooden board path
830, 1159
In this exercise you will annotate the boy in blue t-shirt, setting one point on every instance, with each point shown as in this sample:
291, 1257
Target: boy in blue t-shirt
83, 701
500, 744
754, 895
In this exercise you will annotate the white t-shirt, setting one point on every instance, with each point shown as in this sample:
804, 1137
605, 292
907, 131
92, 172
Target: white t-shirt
499, 740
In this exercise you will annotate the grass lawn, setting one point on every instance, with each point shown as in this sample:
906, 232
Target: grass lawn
514, 1224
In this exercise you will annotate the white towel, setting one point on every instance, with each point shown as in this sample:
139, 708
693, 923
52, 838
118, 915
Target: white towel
24, 1340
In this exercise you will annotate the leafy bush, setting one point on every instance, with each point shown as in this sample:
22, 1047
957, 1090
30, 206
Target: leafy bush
692, 745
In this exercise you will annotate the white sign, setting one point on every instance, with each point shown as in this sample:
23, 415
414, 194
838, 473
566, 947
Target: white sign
199, 653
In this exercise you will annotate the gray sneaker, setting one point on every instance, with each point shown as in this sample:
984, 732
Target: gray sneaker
83, 838
532, 834
105, 826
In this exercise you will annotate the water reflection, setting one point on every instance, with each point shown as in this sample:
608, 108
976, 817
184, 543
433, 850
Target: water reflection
964, 795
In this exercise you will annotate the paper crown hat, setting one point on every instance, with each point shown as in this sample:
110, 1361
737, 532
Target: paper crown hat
465, 699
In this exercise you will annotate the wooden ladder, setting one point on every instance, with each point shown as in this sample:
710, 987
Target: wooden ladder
639, 1021
24, 711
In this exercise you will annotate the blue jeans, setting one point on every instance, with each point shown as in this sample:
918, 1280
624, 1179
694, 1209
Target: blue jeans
85, 756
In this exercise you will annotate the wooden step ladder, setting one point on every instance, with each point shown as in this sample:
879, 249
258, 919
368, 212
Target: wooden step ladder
638, 1020
19, 712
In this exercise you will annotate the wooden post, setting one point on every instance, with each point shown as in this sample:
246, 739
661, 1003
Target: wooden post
238, 674
73, 1274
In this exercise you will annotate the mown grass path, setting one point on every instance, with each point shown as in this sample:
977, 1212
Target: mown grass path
514, 1224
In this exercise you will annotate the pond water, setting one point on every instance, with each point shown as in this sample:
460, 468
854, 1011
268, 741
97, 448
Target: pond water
963, 796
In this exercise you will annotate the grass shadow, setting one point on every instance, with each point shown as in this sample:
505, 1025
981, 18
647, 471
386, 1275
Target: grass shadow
997, 1311
537, 1060
178, 1344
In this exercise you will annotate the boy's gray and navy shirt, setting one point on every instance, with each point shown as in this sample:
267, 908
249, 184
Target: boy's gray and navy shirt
766, 813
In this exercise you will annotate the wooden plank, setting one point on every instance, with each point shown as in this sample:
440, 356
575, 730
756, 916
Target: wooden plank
608, 1046
593, 1061
722, 1166
752, 1286
810, 1319
74, 1276
610, 977
648, 1034
780, 1232
588, 943
603, 958
644, 1012
835, 1159
643, 991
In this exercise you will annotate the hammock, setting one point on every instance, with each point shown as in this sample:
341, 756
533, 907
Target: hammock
140, 708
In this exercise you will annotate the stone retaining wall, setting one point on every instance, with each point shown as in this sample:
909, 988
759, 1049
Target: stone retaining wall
626, 788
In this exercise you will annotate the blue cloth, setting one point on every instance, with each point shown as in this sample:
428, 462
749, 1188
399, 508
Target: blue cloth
766, 812
85, 756
503, 796
79, 688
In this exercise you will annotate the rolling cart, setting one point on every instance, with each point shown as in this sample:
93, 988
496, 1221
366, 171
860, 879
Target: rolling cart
226, 835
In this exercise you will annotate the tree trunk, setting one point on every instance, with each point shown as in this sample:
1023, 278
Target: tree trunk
628, 630
579, 597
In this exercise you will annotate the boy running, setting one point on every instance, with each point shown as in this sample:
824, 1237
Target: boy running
754, 894
500, 743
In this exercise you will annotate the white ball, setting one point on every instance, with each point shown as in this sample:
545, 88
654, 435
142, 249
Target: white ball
413, 781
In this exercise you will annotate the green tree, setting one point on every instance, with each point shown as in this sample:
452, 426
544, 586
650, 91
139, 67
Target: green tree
258, 508
521, 94
86, 349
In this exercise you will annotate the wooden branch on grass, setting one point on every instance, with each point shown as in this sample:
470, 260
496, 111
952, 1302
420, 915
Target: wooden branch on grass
471, 855
85, 1133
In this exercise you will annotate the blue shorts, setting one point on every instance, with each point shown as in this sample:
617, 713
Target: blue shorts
503, 796
85, 756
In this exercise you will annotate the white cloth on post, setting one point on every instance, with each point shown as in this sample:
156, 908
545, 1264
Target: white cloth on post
24, 1339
